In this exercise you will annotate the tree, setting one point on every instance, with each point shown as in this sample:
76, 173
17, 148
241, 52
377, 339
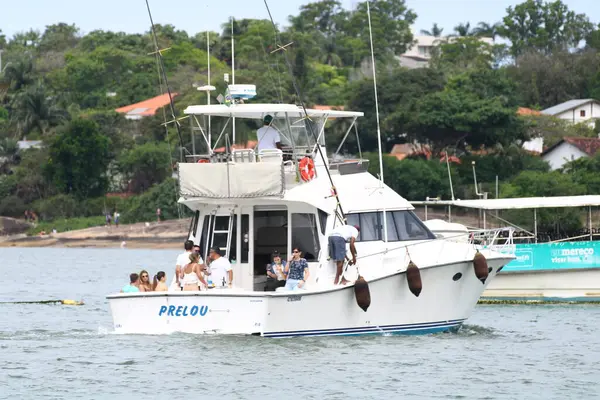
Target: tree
399, 91
485, 29
59, 37
534, 184
435, 31
413, 179
18, 72
463, 53
79, 157
468, 113
146, 165
546, 80
36, 111
390, 20
463, 29
545, 27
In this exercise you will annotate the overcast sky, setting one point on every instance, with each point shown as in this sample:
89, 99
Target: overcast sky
197, 16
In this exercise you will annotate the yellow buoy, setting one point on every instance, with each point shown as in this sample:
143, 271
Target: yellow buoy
71, 302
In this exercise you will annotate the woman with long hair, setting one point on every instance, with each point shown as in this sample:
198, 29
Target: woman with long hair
145, 285
191, 274
160, 282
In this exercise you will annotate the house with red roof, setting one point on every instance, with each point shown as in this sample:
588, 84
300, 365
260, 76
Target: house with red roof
569, 149
146, 108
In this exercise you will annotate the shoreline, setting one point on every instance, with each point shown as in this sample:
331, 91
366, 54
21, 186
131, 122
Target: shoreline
164, 235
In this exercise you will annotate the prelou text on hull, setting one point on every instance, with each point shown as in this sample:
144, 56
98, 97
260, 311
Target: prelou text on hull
252, 202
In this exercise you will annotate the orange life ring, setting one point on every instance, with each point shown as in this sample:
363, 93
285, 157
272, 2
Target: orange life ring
307, 169
202, 160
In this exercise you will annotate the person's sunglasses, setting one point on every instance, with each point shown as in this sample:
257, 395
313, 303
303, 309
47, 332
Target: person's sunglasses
144, 276
296, 251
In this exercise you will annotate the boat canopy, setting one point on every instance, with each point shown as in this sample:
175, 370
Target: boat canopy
520, 203
258, 111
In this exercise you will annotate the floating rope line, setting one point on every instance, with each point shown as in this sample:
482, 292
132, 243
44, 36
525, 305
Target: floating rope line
300, 99
65, 302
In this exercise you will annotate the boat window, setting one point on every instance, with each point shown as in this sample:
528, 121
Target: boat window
401, 225
323, 220
392, 231
305, 235
370, 227
410, 227
245, 237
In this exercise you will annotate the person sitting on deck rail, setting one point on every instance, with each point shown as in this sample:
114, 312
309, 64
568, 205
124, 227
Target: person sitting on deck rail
221, 271
337, 247
268, 136
134, 281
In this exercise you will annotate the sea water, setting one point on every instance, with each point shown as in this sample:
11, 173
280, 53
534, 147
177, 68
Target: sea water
68, 352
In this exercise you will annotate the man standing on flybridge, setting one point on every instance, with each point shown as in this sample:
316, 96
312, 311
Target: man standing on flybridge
268, 136
337, 247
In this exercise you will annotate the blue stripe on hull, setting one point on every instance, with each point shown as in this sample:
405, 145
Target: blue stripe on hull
407, 329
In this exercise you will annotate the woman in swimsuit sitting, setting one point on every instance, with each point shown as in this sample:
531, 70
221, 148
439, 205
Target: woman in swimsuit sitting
145, 285
191, 274
160, 280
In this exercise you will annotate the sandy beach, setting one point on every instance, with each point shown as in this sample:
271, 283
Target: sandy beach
152, 235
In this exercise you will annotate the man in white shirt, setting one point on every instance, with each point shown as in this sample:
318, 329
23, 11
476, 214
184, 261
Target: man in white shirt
220, 267
337, 247
268, 136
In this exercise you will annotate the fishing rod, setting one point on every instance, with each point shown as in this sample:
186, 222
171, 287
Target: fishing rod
303, 106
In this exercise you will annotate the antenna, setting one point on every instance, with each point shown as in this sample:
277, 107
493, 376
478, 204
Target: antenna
450, 175
482, 194
385, 236
233, 74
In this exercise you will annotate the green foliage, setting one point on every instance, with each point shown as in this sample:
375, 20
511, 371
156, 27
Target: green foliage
8, 185
143, 208
543, 26
79, 157
64, 225
534, 184
146, 165
465, 114
413, 179
12, 206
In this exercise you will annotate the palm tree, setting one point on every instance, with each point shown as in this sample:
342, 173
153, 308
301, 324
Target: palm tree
487, 30
463, 29
9, 153
36, 111
18, 72
435, 31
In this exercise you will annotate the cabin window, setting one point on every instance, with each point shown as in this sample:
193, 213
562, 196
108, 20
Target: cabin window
582, 113
401, 225
305, 235
323, 220
370, 227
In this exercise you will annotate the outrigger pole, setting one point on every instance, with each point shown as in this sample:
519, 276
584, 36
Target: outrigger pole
385, 236
158, 53
279, 47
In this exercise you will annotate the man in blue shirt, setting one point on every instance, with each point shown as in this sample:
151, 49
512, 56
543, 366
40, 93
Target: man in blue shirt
134, 283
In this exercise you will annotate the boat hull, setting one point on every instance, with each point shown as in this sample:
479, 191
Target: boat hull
450, 292
555, 272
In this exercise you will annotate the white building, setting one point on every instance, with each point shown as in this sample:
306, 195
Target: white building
419, 54
576, 111
569, 149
